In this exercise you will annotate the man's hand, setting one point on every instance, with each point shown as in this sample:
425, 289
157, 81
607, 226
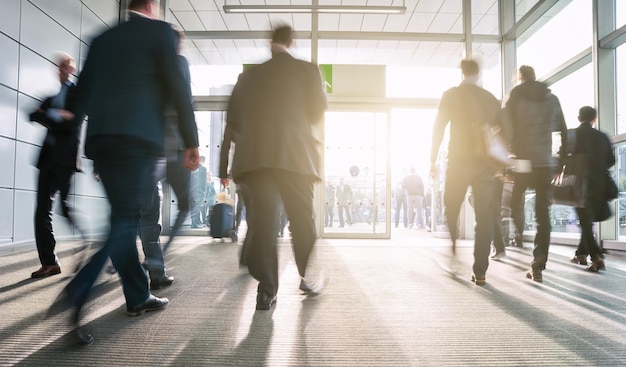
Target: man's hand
192, 159
434, 170
65, 114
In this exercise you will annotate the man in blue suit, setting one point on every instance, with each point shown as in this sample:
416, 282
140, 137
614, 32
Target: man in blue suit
130, 72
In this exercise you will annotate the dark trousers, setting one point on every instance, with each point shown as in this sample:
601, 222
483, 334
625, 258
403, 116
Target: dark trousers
150, 231
459, 176
498, 236
265, 190
539, 179
179, 178
51, 180
127, 170
588, 244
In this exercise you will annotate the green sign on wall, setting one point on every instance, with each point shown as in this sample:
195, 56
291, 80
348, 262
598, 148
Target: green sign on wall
327, 77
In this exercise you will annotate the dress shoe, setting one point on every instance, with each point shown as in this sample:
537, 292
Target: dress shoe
310, 286
497, 256
46, 271
596, 266
579, 259
264, 301
161, 282
152, 304
479, 279
83, 337
535, 275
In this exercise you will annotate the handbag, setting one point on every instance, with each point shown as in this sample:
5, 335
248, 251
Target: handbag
570, 186
611, 188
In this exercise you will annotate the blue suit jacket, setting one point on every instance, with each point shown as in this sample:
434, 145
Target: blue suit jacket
132, 72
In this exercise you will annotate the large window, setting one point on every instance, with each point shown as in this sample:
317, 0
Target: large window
575, 91
621, 89
568, 33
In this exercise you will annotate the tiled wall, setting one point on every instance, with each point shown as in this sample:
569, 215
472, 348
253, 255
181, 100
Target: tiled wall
31, 33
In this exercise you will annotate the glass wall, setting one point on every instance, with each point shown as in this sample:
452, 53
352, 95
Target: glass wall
620, 84
565, 35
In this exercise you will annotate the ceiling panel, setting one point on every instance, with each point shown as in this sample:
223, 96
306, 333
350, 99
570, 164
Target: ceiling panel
189, 20
422, 17
212, 20
350, 22
374, 22
206, 5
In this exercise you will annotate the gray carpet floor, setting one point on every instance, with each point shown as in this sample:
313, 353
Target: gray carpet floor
387, 303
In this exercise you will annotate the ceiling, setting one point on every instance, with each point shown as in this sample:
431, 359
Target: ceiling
430, 33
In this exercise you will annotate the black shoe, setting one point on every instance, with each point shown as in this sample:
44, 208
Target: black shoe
162, 282
82, 336
479, 279
535, 275
264, 301
152, 304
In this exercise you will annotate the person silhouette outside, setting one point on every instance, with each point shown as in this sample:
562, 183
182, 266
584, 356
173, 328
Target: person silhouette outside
463, 107
209, 199
198, 194
400, 199
597, 147
280, 100
129, 71
329, 204
414, 187
345, 199
534, 113
58, 161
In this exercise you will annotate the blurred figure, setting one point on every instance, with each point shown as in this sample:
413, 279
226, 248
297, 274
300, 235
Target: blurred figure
177, 175
400, 198
130, 70
198, 194
414, 187
597, 147
329, 204
209, 199
344, 202
277, 101
463, 107
58, 160
534, 113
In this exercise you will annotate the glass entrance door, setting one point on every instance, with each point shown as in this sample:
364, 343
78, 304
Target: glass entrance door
356, 192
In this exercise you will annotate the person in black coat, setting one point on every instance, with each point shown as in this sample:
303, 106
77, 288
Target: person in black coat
596, 146
130, 72
58, 160
271, 114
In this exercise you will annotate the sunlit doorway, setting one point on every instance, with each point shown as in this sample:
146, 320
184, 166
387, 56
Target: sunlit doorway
356, 188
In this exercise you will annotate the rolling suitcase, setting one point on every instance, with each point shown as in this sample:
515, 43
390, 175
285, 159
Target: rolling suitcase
222, 221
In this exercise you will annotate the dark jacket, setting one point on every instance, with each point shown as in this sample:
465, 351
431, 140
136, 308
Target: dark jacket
60, 147
600, 157
462, 106
271, 114
132, 71
535, 113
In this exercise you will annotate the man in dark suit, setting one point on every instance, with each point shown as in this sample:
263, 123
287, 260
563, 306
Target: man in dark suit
462, 107
271, 113
58, 160
130, 72
596, 146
